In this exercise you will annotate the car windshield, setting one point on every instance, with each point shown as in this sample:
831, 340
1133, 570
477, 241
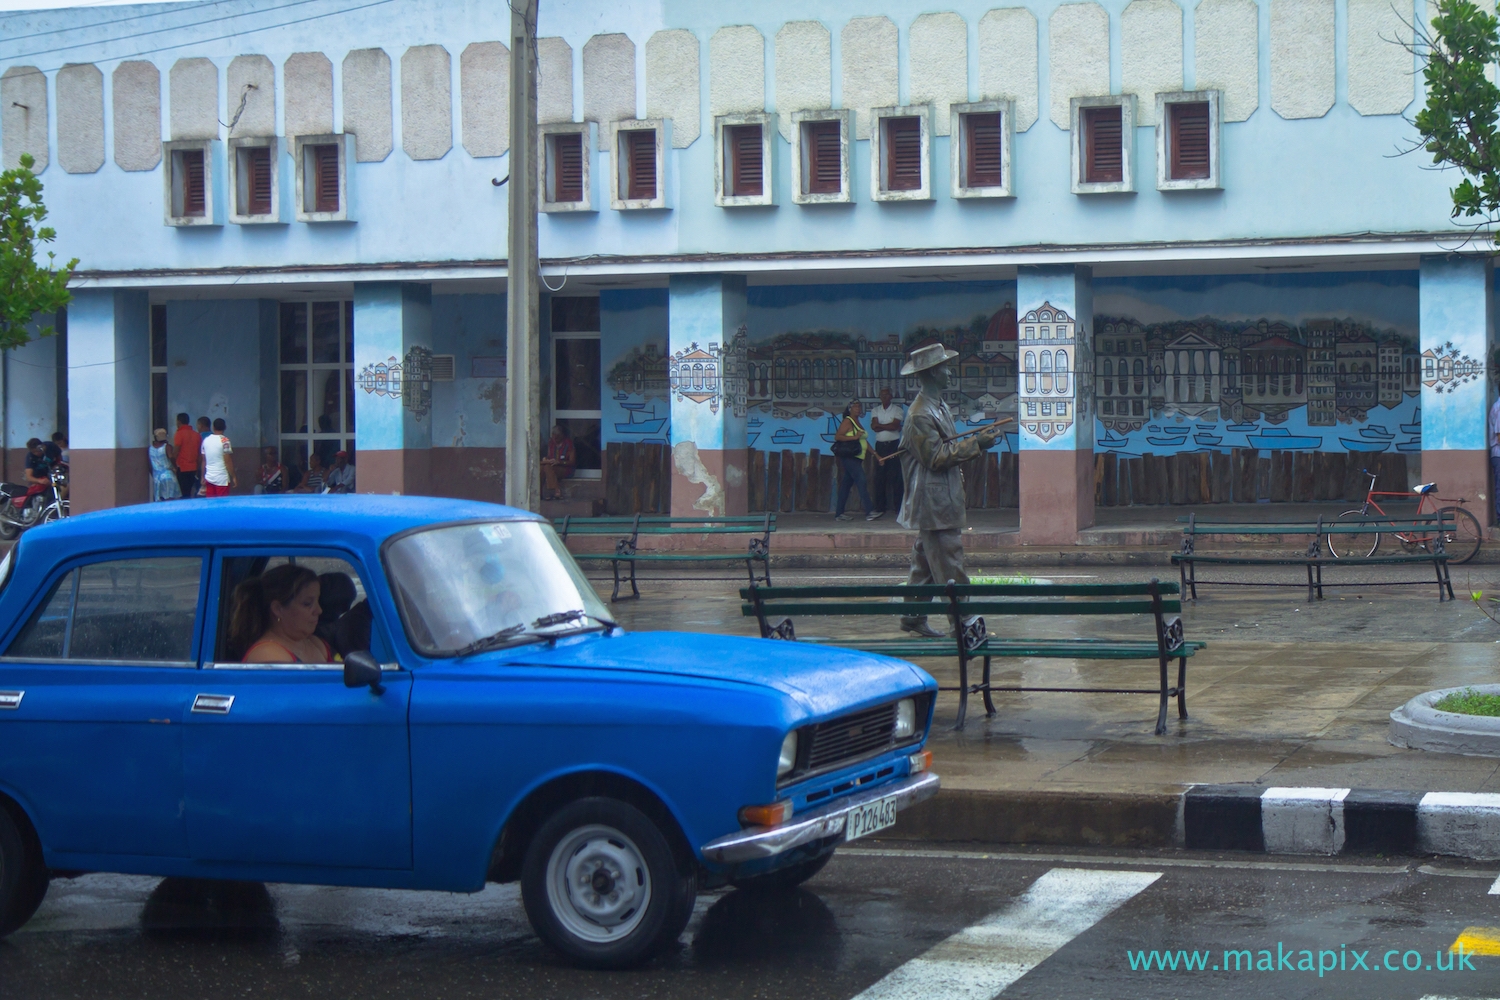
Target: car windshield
476, 585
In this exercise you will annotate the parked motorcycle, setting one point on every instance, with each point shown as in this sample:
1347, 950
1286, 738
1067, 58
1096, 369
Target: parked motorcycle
24, 505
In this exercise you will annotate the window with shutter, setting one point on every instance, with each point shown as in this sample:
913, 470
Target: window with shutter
567, 167
325, 166
744, 153
824, 148
1103, 155
257, 167
984, 139
640, 154
194, 191
903, 153
1189, 136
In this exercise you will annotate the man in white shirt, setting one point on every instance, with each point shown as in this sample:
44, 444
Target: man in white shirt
218, 462
885, 421
340, 478
1495, 458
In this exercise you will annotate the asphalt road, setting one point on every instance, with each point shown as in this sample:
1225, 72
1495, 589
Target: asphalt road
882, 922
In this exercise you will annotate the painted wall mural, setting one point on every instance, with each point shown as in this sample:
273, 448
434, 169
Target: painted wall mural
1326, 362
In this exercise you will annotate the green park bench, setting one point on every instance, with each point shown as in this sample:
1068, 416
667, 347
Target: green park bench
965, 607
1427, 527
627, 530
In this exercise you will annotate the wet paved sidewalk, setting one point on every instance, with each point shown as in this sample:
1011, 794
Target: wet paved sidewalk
1287, 693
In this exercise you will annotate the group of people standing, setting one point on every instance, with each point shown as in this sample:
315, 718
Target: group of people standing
200, 462
851, 445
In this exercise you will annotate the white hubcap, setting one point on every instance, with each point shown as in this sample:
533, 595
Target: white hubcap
597, 883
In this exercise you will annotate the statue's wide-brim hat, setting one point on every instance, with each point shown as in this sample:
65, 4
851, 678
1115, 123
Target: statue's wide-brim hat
927, 357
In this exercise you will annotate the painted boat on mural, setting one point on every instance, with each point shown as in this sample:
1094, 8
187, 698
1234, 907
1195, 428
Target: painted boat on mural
750, 438
1208, 440
1243, 428
1166, 442
1208, 427
1376, 432
642, 423
786, 435
1415, 427
1360, 444
1414, 445
1111, 441
1281, 439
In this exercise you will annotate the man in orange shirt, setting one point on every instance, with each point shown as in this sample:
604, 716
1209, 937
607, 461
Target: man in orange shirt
185, 448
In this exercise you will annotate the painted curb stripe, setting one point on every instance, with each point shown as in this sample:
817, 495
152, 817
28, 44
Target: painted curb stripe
983, 959
1466, 824
1478, 941
1303, 820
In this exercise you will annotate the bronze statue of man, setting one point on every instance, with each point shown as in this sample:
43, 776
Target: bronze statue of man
933, 504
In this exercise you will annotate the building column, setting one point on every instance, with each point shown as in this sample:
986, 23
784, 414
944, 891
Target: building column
109, 382
1457, 336
706, 380
392, 386
1054, 357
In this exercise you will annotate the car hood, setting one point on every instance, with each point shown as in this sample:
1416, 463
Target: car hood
823, 680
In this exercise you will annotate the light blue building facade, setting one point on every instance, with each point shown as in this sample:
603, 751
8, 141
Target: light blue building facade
289, 217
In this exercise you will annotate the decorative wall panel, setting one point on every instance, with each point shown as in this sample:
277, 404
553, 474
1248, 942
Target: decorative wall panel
608, 80
1302, 41
804, 71
367, 103
1226, 54
1381, 74
1077, 56
426, 102
135, 93
1008, 61
80, 118
484, 90
1150, 53
251, 84
869, 68
554, 80
938, 59
23, 116
193, 100
736, 71
307, 94
672, 83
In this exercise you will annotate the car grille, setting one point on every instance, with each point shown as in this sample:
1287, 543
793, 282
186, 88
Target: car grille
850, 737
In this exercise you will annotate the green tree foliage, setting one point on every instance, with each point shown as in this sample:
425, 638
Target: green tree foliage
26, 288
1459, 124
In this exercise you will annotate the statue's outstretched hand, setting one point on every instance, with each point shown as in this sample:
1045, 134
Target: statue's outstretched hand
986, 440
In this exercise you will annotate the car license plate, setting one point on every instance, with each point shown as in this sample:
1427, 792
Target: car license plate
870, 817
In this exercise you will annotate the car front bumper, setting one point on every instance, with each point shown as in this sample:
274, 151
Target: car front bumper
817, 824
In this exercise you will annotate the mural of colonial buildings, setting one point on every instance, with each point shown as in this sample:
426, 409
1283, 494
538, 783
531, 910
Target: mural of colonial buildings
1337, 371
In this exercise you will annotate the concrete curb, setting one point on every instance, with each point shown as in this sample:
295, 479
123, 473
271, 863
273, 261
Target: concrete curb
1418, 726
1316, 821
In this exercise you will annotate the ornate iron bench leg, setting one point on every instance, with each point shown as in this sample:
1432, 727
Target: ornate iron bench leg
963, 688
614, 595
1161, 711
989, 704
634, 591
1182, 687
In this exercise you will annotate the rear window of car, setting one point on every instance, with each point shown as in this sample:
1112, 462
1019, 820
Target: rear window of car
141, 610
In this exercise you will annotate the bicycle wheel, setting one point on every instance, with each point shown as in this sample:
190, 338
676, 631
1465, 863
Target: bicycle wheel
1352, 546
1462, 541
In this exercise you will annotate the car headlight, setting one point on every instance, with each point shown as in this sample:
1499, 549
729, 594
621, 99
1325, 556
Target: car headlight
906, 718
788, 758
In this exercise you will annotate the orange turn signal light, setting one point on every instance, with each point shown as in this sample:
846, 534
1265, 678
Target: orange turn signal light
774, 814
920, 762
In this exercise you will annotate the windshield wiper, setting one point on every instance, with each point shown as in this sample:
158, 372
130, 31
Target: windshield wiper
522, 632
563, 617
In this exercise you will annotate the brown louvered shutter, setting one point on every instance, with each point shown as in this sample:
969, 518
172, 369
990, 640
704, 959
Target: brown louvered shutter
194, 191
1104, 160
983, 132
1190, 138
641, 148
903, 150
258, 160
325, 178
567, 169
747, 171
824, 157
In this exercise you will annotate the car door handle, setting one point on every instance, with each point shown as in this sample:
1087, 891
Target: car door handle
11, 699
213, 704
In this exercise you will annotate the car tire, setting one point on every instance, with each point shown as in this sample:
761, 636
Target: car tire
602, 885
23, 877
783, 879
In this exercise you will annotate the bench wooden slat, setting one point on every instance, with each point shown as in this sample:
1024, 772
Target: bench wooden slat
1039, 590
970, 607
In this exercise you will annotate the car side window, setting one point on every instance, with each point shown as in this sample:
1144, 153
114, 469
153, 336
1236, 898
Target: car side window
124, 609
345, 621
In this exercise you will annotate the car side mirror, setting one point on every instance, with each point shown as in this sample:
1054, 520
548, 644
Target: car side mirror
362, 670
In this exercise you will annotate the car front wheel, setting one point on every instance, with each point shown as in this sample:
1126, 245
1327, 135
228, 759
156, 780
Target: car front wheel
23, 879
602, 886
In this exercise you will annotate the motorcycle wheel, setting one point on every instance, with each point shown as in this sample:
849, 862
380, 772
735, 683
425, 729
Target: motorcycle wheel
9, 530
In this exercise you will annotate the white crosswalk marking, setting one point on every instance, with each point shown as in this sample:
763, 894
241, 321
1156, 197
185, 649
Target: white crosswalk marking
983, 959
1495, 889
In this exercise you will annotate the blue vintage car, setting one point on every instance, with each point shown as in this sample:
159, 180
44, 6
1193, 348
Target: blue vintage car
488, 722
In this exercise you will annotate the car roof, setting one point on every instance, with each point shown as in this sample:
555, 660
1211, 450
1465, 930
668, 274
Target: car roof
261, 519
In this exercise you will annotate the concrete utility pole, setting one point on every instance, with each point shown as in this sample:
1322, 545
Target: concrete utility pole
523, 390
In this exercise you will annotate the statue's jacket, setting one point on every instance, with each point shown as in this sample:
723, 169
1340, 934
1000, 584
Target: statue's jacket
930, 460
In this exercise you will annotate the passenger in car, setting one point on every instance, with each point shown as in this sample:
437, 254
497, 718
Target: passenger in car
274, 618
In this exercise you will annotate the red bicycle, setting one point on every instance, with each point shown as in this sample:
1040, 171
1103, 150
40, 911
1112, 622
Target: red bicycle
1461, 541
